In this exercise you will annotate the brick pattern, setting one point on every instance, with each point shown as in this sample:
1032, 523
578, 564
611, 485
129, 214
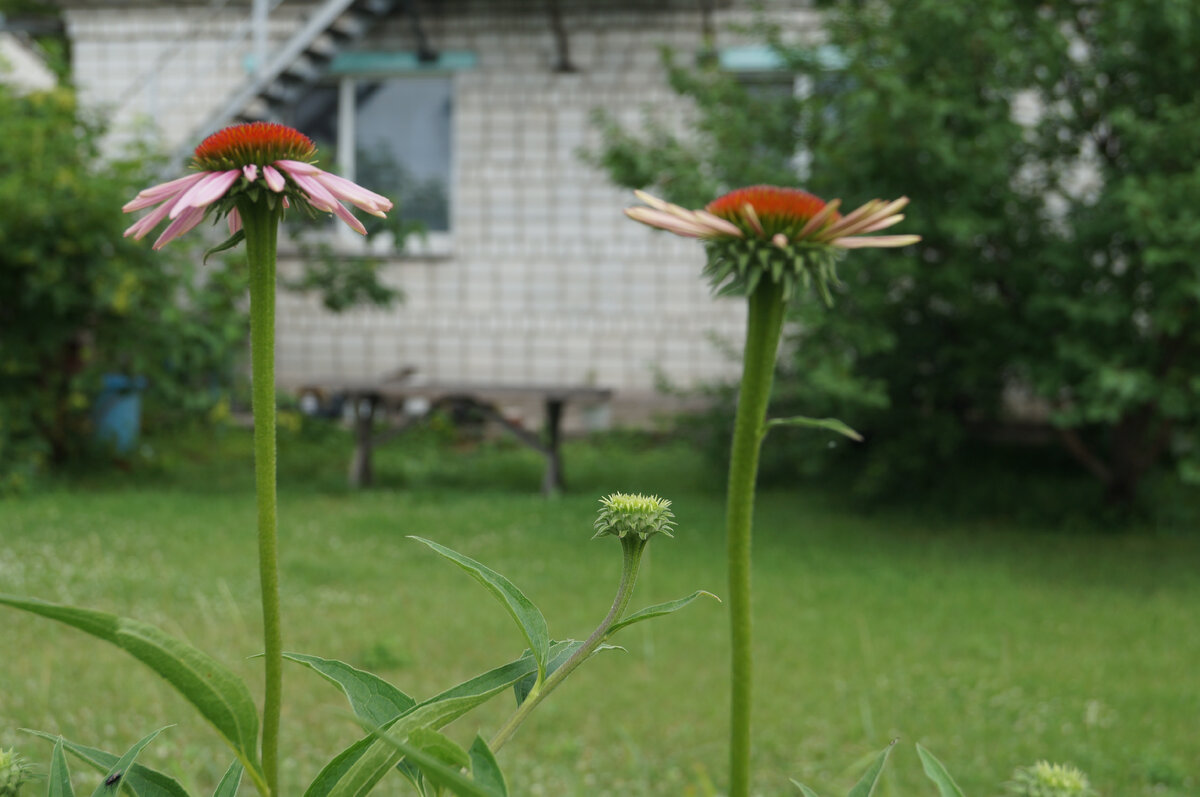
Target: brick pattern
547, 281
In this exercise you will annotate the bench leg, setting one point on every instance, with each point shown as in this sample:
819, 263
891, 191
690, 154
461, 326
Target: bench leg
364, 426
553, 482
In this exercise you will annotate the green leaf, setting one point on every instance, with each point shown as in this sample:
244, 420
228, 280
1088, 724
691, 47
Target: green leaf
228, 787
358, 768
228, 243
658, 610
219, 695
59, 776
441, 747
559, 653
532, 623
807, 792
140, 780
831, 424
371, 698
938, 774
486, 770
448, 776
116, 773
866, 784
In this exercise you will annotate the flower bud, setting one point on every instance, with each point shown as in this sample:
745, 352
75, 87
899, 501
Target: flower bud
638, 516
1044, 779
14, 771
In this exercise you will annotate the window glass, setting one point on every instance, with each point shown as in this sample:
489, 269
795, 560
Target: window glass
402, 144
402, 140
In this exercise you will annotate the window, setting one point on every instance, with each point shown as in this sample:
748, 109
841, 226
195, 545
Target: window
399, 116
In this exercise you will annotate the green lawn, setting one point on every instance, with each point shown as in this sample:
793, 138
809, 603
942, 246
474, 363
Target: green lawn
992, 645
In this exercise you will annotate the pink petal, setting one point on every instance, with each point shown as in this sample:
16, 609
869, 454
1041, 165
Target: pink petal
317, 195
749, 214
667, 221
850, 219
348, 217
818, 220
207, 191
297, 167
157, 193
652, 200
780, 240
717, 224
188, 219
882, 224
250, 171
354, 193
881, 241
151, 220
235, 221
274, 179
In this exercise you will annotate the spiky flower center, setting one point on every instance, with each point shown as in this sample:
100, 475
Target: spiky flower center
778, 209
1044, 779
257, 143
643, 516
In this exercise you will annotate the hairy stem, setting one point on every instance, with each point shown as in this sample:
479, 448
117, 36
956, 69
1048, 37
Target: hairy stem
632, 549
261, 225
762, 341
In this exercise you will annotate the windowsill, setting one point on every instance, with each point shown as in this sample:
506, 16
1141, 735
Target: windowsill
344, 242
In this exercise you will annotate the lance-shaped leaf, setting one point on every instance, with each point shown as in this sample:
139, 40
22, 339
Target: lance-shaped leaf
372, 699
559, 653
829, 424
139, 780
219, 695
227, 244
807, 792
59, 776
866, 784
358, 768
486, 770
528, 617
116, 773
938, 774
435, 767
228, 787
658, 610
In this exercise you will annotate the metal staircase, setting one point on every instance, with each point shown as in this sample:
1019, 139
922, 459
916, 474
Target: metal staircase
292, 70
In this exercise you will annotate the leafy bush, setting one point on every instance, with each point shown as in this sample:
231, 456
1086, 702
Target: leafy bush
1049, 155
81, 300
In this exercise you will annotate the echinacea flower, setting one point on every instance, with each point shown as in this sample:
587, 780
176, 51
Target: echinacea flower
786, 234
255, 162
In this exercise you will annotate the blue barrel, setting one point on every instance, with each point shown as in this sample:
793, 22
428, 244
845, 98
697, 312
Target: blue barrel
117, 413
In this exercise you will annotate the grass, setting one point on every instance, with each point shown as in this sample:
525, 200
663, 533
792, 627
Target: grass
993, 645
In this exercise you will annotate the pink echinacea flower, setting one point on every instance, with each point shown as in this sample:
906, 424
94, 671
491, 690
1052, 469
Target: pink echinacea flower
259, 161
786, 233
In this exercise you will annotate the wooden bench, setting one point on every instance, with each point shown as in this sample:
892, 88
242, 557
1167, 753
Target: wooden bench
368, 399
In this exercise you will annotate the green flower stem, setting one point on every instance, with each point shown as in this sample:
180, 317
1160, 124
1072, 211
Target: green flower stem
632, 547
762, 342
261, 225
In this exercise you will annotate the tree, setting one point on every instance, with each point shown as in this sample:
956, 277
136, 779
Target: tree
1046, 150
78, 299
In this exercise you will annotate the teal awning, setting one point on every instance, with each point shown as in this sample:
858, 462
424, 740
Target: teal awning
390, 63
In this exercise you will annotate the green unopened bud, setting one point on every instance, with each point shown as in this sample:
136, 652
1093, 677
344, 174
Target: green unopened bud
14, 771
1044, 779
639, 516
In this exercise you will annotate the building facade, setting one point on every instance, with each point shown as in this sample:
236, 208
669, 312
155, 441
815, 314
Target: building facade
478, 112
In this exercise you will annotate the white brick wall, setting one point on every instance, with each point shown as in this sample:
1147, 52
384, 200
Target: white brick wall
547, 282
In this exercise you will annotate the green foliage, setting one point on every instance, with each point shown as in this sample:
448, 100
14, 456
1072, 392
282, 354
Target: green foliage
219, 695
141, 780
81, 300
1050, 154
